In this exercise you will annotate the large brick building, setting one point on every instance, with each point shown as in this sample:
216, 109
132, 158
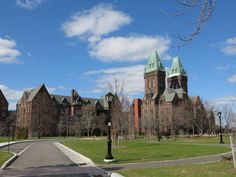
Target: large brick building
136, 114
166, 106
39, 112
35, 112
3, 113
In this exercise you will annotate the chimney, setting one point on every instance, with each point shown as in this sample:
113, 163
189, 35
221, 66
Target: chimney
72, 95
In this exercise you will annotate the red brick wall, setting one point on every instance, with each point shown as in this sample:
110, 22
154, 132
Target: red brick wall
137, 114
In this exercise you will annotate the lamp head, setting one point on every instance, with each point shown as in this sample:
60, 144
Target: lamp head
219, 114
109, 97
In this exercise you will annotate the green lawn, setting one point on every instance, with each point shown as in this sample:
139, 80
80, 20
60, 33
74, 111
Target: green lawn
204, 140
3, 139
4, 156
219, 169
142, 150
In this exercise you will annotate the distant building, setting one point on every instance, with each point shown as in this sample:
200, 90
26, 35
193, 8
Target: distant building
50, 114
136, 111
3, 114
166, 106
68, 109
36, 113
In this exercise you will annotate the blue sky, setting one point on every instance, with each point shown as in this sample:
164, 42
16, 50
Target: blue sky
83, 44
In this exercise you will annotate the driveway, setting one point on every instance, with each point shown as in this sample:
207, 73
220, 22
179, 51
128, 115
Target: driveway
43, 158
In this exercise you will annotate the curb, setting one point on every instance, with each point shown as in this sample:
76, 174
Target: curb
76, 157
9, 161
13, 158
80, 159
116, 175
4, 144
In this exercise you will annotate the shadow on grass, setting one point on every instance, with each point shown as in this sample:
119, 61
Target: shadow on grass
111, 168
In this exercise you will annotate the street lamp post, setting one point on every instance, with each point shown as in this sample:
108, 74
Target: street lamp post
9, 136
109, 157
13, 131
64, 132
221, 137
39, 127
158, 130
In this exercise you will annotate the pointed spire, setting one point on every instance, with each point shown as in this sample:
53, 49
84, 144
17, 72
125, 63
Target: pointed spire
154, 63
177, 68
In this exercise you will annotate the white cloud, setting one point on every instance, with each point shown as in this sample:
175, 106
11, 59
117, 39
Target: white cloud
232, 78
223, 67
229, 100
14, 95
92, 24
134, 48
132, 76
8, 52
229, 47
28, 4
11, 95
231, 41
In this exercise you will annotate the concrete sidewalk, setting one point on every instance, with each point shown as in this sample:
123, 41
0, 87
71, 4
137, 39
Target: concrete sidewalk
81, 160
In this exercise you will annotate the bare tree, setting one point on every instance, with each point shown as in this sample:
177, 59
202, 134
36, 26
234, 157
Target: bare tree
210, 111
228, 116
205, 8
148, 123
89, 119
200, 119
120, 109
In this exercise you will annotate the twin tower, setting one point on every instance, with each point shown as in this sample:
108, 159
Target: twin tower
158, 79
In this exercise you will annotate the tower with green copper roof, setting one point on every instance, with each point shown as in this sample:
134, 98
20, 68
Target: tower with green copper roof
154, 63
154, 76
177, 76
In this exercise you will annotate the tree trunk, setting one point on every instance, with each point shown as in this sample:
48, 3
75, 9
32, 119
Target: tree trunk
87, 132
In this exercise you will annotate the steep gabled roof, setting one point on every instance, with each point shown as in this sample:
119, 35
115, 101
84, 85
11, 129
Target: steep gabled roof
2, 95
154, 63
176, 68
30, 94
60, 98
180, 92
33, 92
169, 94
91, 100
196, 100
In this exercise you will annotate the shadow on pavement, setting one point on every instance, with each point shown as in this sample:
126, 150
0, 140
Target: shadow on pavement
60, 170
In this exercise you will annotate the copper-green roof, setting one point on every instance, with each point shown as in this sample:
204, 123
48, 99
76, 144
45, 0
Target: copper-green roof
169, 94
177, 68
154, 63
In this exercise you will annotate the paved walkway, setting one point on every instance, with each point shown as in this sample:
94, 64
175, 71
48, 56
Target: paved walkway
43, 158
41, 154
157, 164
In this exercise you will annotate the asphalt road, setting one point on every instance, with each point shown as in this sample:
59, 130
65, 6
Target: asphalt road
41, 154
16, 148
43, 158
